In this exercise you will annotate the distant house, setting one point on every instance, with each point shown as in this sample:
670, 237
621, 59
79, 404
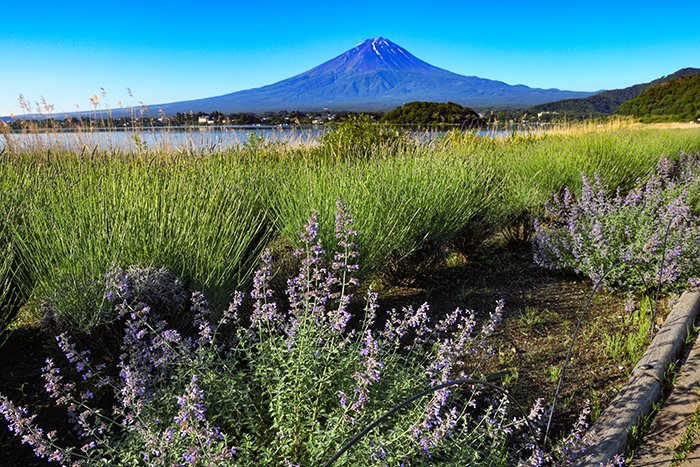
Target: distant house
205, 120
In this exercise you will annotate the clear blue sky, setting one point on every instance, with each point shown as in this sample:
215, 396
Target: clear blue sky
170, 51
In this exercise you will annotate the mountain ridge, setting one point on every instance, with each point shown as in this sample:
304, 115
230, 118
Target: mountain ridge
607, 102
675, 100
376, 75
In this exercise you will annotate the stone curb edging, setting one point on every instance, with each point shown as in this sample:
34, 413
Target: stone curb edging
675, 417
608, 435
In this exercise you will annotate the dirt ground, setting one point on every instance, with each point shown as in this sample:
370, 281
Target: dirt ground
541, 311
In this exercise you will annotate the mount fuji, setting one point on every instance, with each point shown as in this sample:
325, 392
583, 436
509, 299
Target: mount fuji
374, 75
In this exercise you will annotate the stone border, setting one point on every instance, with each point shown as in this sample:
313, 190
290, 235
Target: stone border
671, 423
608, 435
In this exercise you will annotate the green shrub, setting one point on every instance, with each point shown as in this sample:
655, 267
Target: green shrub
200, 219
359, 137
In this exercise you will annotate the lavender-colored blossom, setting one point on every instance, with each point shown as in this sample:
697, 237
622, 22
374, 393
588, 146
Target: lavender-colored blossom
116, 284
191, 456
53, 378
573, 444
378, 452
23, 425
371, 366
436, 425
200, 308
494, 318
537, 411
231, 313
537, 458
192, 425
308, 235
652, 227
343, 399
409, 321
340, 317
345, 258
616, 461
191, 407
264, 311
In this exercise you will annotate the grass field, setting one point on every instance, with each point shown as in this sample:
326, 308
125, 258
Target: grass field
81, 228
67, 217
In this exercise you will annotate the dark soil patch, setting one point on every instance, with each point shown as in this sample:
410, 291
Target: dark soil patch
541, 312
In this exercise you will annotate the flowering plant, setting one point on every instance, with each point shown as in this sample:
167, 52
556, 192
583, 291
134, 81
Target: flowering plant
288, 386
654, 230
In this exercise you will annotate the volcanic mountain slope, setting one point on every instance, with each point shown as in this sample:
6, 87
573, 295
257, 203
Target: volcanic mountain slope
374, 75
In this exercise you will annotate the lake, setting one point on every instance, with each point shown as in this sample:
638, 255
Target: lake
193, 138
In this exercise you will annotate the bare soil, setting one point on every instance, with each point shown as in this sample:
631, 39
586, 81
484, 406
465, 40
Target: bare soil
542, 308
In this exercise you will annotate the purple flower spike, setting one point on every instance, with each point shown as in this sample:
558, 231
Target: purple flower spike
310, 232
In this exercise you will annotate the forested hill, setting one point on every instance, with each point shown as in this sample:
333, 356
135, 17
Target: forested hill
606, 102
675, 100
433, 114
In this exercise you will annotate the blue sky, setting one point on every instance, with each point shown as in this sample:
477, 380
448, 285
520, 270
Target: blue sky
169, 51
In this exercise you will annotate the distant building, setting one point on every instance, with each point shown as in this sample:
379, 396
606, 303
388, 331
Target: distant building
205, 120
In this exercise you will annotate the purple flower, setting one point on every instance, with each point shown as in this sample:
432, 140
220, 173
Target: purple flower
494, 319
652, 227
343, 399
231, 313
310, 232
22, 424
191, 407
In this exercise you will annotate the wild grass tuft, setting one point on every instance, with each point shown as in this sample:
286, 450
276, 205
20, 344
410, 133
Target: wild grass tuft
201, 219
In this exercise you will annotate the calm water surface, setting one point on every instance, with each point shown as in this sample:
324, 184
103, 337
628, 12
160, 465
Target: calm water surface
195, 138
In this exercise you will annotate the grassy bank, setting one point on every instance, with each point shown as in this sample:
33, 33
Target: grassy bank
68, 217
87, 235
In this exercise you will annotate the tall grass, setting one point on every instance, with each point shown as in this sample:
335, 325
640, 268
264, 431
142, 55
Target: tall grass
68, 216
200, 219
401, 201
13, 277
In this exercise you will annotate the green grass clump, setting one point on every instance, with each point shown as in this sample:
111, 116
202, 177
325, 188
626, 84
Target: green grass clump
13, 277
199, 218
400, 202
